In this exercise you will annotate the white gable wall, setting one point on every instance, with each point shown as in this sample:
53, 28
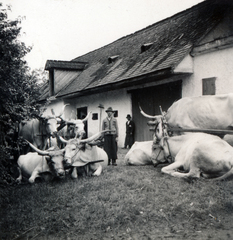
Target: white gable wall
56, 106
217, 64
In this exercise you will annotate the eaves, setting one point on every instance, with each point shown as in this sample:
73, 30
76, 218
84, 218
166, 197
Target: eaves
125, 83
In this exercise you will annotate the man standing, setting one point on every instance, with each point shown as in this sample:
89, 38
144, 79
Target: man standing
129, 138
111, 137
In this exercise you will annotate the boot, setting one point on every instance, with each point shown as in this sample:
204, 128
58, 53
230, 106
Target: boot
114, 162
109, 161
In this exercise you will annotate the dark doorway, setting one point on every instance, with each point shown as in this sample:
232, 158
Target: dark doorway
150, 99
81, 114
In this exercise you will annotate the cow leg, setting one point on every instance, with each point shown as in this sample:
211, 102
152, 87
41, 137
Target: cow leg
34, 175
194, 173
74, 174
98, 171
19, 178
172, 168
87, 170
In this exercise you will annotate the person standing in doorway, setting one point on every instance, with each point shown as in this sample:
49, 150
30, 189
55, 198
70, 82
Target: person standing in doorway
129, 137
111, 137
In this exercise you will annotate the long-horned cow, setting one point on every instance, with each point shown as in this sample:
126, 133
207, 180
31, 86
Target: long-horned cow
34, 164
85, 152
204, 112
79, 125
40, 129
75, 128
196, 155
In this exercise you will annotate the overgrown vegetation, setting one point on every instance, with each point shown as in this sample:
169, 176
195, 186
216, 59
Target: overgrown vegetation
19, 89
125, 202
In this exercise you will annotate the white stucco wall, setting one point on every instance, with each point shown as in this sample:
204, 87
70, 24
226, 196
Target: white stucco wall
56, 106
118, 99
217, 64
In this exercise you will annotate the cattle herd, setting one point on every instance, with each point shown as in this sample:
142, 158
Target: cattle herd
193, 138
63, 156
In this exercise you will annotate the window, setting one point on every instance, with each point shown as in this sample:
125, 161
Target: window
145, 47
208, 86
95, 116
112, 59
115, 114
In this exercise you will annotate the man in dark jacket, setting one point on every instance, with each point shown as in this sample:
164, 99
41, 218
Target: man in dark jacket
111, 137
130, 127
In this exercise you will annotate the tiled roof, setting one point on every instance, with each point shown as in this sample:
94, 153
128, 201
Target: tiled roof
172, 39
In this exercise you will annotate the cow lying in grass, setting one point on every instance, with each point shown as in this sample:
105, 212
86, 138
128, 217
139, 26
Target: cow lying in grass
84, 153
34, 164
196, 155
140, 154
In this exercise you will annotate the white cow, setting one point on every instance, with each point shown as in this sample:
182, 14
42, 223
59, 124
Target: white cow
78, 125
140, 154
204, 112
79, 153
34, 164
197, 154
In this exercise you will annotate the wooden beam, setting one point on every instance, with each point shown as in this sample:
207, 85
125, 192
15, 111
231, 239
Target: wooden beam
210, 131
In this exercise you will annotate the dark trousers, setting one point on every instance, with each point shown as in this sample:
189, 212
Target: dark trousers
110, 147
129, 140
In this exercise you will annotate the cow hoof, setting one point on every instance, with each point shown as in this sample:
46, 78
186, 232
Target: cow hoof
18, 181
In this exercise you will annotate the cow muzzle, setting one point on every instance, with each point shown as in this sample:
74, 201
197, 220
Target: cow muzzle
67, 163
60, 173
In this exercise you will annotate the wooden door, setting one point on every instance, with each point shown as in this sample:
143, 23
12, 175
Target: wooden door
150, 99
81, 114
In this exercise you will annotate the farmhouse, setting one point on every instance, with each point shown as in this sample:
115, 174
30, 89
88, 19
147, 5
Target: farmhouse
188, 54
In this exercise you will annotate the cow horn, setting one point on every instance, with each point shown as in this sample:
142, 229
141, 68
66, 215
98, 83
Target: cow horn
62, 139
88, 115
148, 116
41, 152
72, 121
63, 109
94, 137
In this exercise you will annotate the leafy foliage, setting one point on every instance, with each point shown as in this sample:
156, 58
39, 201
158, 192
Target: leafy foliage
19, 87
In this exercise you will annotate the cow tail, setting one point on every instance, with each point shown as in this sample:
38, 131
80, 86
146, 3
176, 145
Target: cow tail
225, 176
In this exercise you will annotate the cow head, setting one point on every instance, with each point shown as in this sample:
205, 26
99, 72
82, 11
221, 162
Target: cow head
157, 155
164, 154
54, 158
158, 124
53, 121
51, 125
79, 125
76, 147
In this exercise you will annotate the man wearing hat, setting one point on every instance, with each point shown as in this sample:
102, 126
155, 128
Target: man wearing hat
129, 138
111, 137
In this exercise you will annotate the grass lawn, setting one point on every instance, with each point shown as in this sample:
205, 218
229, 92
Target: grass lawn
125, 202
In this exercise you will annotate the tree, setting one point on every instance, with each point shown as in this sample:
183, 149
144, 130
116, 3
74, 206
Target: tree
19, 88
